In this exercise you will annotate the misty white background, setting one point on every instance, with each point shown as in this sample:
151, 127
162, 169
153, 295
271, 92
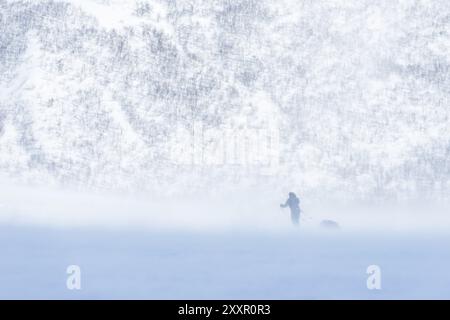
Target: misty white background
103, 164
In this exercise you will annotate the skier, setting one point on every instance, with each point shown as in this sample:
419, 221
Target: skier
293, 202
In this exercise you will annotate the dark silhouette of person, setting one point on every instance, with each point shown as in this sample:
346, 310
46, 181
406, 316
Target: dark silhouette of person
294, 204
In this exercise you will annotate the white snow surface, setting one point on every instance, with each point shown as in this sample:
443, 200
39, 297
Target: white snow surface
234, 247
228, 265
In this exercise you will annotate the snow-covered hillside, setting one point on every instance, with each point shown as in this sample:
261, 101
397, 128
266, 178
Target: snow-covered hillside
337, 99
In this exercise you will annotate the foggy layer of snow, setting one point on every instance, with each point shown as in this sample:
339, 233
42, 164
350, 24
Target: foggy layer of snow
246, 210
228, 246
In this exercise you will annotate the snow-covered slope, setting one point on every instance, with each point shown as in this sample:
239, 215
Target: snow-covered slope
338, 99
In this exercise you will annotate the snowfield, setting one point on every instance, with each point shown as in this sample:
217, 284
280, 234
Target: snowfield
131, 248
228, 265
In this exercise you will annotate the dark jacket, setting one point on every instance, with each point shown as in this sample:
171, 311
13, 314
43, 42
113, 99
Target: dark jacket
293, 203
